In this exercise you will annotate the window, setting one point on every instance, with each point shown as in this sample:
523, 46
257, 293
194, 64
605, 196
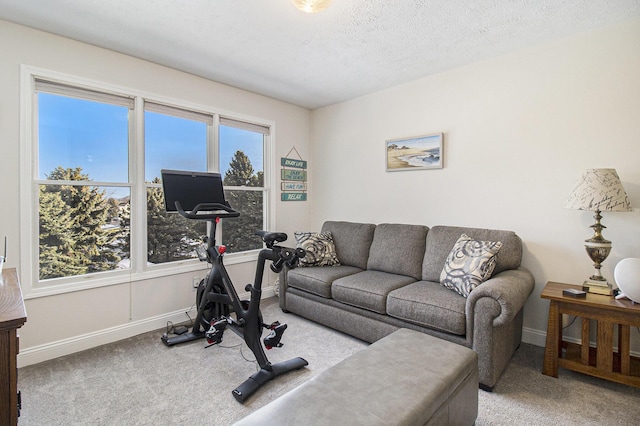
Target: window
83, 147
242, 169
174, 139
96, 157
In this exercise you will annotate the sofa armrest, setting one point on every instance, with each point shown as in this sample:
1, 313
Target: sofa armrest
510, 289
494, 321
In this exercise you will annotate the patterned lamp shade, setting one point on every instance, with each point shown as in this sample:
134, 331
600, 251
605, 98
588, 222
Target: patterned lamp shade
599, 190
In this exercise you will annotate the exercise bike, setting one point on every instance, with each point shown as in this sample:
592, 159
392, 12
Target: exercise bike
219, 306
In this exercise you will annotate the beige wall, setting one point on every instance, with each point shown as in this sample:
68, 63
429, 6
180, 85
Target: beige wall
59, 324
519, 130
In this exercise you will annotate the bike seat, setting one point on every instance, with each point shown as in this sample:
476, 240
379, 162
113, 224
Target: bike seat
270, 237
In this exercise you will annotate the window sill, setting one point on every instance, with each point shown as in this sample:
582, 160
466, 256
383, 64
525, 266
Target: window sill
87, 282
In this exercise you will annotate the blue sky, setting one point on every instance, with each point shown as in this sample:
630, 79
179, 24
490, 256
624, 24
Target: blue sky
77, 133
94, 136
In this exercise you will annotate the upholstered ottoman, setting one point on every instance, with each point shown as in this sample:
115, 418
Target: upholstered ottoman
406, 378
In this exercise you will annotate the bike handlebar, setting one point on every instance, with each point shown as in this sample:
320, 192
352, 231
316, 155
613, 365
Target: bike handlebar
288, 257
207, 211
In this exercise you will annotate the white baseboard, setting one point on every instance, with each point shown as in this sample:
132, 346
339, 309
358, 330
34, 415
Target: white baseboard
52, 350
534, 337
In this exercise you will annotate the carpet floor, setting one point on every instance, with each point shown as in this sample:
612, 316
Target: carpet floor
140, 381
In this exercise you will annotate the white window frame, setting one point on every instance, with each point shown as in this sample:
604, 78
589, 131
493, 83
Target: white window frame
139, 270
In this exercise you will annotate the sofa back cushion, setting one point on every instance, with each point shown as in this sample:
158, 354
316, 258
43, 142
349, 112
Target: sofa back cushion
398, 249
441, 240
352, 241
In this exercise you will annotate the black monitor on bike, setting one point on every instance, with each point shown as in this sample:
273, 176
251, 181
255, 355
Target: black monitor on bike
191, 189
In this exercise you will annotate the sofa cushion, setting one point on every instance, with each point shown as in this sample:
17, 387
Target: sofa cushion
398, 249
352, 241
469, 264
368, 289
441, 240
319, 247
429, 304
318, 280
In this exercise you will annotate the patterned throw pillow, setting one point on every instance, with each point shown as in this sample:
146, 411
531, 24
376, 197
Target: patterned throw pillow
469, 264
320, 248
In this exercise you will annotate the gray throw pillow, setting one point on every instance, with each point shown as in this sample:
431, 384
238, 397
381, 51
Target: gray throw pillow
469, 264
321, 250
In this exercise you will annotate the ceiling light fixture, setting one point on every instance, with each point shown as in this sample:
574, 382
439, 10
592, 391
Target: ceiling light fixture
311, 6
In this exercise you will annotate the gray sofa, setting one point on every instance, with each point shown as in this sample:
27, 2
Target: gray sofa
389, 278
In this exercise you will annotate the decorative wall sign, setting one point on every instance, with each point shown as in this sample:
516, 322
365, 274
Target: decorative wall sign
288, 174
290, 162
294, 196
417, 153
294, 186
294, 177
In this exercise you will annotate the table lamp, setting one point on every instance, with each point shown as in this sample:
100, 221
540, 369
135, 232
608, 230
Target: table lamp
598, 190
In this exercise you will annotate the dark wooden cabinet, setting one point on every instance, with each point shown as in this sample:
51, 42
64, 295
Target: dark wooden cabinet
12, 317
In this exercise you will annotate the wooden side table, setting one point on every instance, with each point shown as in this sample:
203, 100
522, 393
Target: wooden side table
600, 361
12, 317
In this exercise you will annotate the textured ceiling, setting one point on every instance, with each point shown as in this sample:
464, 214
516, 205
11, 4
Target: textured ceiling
353, 48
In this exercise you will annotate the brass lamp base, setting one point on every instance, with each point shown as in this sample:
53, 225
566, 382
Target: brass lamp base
598, 250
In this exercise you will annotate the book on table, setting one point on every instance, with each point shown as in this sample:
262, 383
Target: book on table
598, 287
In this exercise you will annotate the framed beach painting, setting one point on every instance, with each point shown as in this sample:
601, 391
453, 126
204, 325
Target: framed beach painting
416, 153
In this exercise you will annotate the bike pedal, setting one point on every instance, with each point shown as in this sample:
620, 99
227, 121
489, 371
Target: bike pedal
214, 338
272, 340
216, 331
272, 326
